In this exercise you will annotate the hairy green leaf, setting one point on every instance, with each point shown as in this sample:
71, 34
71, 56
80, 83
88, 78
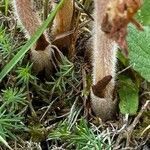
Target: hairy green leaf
128, 94
139, 47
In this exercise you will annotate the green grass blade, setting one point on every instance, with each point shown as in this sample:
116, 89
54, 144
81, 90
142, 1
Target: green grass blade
3, 141
6, 7
29, 44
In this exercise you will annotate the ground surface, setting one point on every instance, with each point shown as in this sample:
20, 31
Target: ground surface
55, 114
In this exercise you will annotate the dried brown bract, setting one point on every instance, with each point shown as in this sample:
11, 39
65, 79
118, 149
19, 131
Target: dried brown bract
119, 13
99, 88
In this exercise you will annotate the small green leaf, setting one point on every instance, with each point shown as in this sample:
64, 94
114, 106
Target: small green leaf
128, 94
139, 50
122, 58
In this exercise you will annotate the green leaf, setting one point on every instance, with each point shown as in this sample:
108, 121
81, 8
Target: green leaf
121, 57
29, 44
139, 51
128, 94
143, 15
